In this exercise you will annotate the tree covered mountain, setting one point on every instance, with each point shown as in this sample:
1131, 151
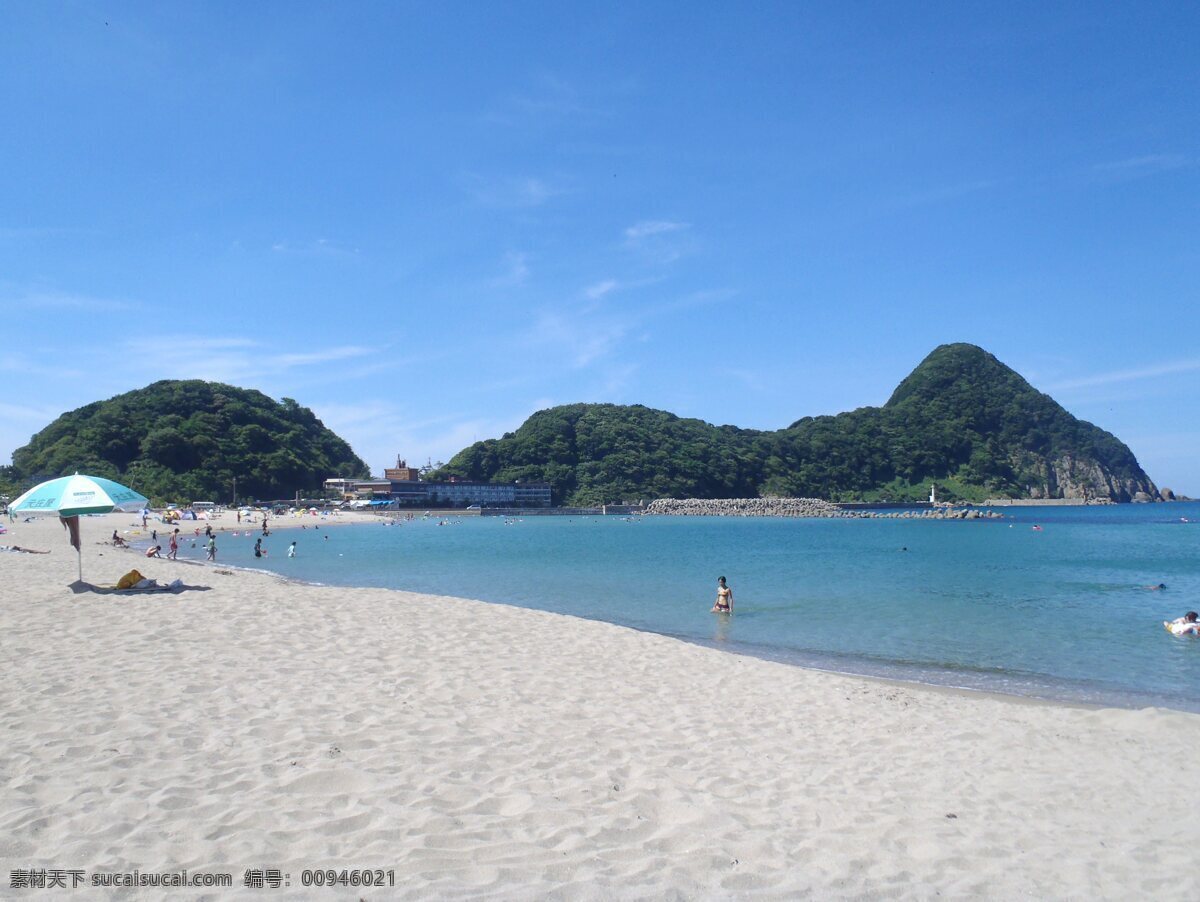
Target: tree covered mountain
961, 418
188, 440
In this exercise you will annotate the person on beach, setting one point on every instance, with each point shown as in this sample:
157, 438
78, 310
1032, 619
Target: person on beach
173, 552
239, 513
258, 548
118, 541
19, 549
156, 551
154, 535
292, 550
212, 548
724, 602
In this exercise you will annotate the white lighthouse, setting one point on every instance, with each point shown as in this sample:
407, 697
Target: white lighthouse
933, 493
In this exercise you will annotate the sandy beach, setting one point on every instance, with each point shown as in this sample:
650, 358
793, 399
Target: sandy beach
480, 750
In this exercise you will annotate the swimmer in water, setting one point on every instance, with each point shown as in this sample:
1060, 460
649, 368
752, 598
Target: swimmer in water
1156, 588
1187, 625
724, 602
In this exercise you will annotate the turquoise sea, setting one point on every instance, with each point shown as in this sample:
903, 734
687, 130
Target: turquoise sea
1060, 612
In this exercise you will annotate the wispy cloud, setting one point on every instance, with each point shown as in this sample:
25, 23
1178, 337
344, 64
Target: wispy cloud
659, 241
512, 191
235, 359
588, 332
1147, 164
615, 380
943, 193
583, 336
27, 413
43, 364
752, 379
319, 247
379, 430
600, 289
62, 300
516, 271
548, 99
1115, 377
192, 344
287, 361
18, 233
645, 229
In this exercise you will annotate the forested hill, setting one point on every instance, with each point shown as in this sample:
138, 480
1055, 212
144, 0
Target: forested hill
187, 440
961, 418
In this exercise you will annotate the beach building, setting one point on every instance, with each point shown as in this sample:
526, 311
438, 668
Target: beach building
402, 472
403, 485
350, 489
462, 493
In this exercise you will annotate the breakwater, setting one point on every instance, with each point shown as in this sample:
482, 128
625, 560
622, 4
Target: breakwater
800, 507
1047, 502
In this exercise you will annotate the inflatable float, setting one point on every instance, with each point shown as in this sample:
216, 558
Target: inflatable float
1176, 628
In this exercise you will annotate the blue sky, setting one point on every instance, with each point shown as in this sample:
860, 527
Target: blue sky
427, 221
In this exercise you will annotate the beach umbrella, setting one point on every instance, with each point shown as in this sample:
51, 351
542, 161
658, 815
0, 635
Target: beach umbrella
72, 496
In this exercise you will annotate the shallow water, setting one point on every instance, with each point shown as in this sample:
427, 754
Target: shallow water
1060, 612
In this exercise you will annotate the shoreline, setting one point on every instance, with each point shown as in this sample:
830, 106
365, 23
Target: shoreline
482, 749
1040, 688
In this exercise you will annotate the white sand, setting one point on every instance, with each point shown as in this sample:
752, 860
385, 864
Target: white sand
482, 750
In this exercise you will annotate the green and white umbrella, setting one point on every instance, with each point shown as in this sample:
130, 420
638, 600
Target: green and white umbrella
71, 496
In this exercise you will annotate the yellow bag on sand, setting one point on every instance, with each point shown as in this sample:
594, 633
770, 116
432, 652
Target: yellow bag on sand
129, 580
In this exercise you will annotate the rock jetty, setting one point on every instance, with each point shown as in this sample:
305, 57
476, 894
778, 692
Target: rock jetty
800, 507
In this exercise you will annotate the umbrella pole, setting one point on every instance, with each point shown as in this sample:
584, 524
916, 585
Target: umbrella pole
79, 557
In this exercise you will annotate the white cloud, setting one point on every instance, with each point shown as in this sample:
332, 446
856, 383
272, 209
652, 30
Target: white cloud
61, 300
584, 337
319, 247
1143, 165
645, 229
19, 422
27, 413
233, 359
518, 191
659, 241
516, 270
943, 193
379, 430
287, 361
600, 289
1129, 375
547, 100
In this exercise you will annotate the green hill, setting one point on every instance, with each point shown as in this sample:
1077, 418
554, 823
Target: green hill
188, 440
961, 418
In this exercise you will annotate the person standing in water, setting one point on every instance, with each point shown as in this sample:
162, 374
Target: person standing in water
292, 550
724, 602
